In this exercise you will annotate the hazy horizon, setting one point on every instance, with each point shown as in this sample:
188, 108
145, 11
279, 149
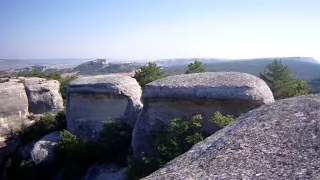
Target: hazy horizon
90, 59
150, 30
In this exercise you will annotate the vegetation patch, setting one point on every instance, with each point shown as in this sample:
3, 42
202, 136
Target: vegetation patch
172, 141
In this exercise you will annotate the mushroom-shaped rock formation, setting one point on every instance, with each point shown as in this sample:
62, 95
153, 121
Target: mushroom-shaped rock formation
91, 100
186, 95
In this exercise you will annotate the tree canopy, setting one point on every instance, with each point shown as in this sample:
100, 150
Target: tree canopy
279, 78
148, 73
195, 67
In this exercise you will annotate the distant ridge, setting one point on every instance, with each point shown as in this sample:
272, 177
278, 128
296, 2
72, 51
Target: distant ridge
301, 59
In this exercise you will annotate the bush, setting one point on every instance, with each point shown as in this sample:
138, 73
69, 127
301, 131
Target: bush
173, 141
148, 73
170, 142
221, 120
74, 155
115, 138
77, 155
45, 125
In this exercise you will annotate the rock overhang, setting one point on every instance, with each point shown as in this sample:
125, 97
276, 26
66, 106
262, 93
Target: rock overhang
108, 84
210, 85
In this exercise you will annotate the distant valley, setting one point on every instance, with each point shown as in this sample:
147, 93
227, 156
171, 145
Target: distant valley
306, 68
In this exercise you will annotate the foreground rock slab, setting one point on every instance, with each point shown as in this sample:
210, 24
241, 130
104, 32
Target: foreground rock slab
91, 100
186, 95
276, 141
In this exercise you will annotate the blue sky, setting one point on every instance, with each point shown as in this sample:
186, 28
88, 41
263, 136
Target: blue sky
154, 29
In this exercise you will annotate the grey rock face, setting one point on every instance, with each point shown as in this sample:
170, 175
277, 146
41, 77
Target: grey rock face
186, 95
106, 172
91, 100
43, 95
43, 150
13, 107
276, 141
211, 85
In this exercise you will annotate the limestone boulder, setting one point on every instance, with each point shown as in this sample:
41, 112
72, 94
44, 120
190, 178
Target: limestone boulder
44, 149
91, 100
13, 107
276, 141
43, 95
186, 95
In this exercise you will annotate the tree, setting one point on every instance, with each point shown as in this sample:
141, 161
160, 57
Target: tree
195, 67
148, 73
282, 84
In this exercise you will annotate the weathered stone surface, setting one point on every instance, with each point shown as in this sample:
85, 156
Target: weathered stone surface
91, 100
43, 95
106, 172
230, 93
276, 141
211, 85
13, 107
43, 150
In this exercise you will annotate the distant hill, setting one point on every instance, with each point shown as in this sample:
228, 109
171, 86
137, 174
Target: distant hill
300, 69
303, 67
101, 66
6, 64
301, 59
178, 61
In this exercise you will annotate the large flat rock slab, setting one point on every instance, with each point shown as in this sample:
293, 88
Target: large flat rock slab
276, 141
91, 100
186, 95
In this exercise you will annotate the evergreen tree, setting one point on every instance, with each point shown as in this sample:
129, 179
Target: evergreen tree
195, 67
282, 84
148, 73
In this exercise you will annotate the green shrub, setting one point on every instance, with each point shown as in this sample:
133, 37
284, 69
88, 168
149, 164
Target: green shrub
74, 155
173, 141
63, 85
139, 169
115, 138
77, 155
170, 141
221, 120
45, 125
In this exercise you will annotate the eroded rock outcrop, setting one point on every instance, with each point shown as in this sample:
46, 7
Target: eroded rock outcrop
91, 100
276, 141
13, 107
44, 149
190, 94
19, 98
43, 95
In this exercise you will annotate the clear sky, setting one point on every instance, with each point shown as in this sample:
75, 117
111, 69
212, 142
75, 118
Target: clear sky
154, 29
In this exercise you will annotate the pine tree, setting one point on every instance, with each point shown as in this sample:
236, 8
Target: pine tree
279, 78
195, 67
148, 73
